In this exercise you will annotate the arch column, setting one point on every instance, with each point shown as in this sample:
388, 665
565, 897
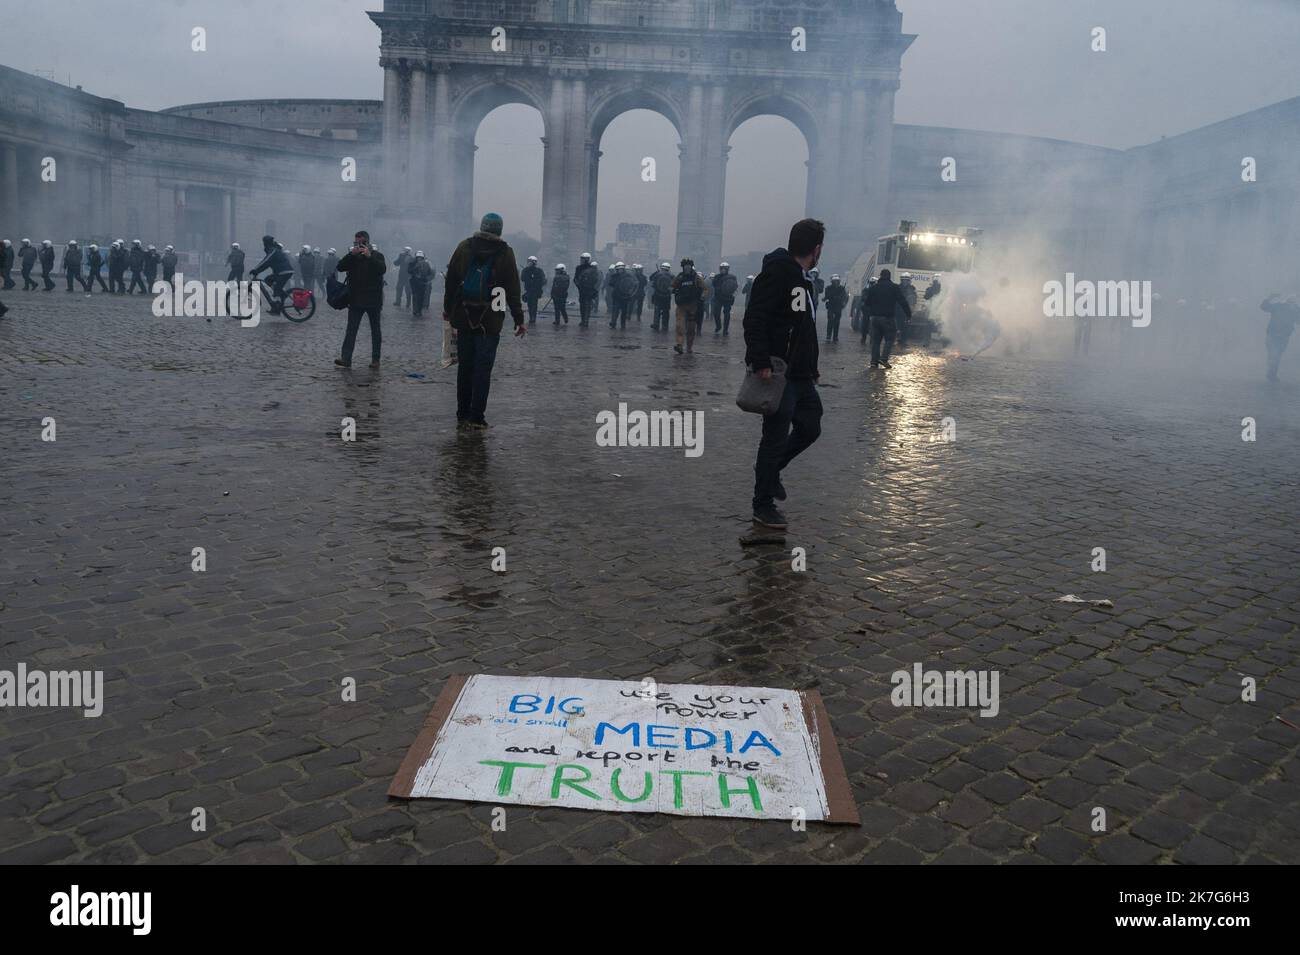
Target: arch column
703, 184
416, 197
392, 134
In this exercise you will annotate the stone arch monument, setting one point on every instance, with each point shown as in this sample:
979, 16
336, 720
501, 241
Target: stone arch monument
706, 65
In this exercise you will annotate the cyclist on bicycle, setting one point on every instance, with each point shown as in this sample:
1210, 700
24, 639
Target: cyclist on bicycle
280, 267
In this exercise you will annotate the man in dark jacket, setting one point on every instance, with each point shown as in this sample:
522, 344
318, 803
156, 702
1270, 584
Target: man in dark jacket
135, 261
7, 263
152, 259
781, 321
534, 280
94, 262
837, 296
72, 265
1282, 318
168, 262
482, 283
560, 294
27, 259
587, 279
365, 267
279, 270
46, 258
235, 260
421, 278
878, 306
403, 263
724, 296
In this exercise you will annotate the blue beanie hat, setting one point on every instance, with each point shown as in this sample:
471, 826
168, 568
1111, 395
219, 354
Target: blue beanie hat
492, 223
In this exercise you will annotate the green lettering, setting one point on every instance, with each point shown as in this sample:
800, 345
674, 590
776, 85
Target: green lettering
618, 793
677, 775
751, 787
559, 781
507, 777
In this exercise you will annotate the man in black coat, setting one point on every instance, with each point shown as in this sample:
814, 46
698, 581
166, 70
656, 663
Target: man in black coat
878, 306
365, 267
7, 263
781, 321
534, 282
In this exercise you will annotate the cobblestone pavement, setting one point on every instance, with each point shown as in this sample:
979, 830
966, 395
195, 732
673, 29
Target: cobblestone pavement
371, 560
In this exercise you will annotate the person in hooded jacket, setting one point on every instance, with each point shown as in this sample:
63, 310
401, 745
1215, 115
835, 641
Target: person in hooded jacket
481, 273
781, 321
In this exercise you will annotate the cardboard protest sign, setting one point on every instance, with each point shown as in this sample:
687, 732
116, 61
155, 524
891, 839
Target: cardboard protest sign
749, 752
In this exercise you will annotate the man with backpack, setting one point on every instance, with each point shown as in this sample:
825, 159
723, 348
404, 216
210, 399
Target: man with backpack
661, 295
587, 278
534, 281
482, 283
623, 289
688, 292
724, 296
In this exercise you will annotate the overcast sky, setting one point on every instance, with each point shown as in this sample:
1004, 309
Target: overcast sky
1022, 66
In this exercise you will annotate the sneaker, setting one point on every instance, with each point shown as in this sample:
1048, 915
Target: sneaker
478, 425
342, 364
885, 364
462, 424
678, 349
780, 490
770, 517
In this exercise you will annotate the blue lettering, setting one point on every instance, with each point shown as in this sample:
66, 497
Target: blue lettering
652, 731
634, 728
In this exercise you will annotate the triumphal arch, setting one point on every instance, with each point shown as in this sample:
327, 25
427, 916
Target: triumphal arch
831, 67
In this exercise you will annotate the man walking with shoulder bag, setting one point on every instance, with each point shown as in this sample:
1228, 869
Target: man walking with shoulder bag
781, 321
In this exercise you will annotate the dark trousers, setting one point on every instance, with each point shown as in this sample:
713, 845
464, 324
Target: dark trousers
419, 297
787, 432
94, 277
622, 308
663, 308
640, 306
115, 282
531, 301
9, 282
722, 317
28, 282
354, 322
137, 278
49, 282
561, 311
586, 303
833, 324
1274, 347
74, 275
882, 330
403, 286
476, 353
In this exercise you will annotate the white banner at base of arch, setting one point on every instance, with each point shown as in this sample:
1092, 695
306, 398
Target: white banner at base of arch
747, 752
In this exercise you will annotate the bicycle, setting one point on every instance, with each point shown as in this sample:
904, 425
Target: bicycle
297, 305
